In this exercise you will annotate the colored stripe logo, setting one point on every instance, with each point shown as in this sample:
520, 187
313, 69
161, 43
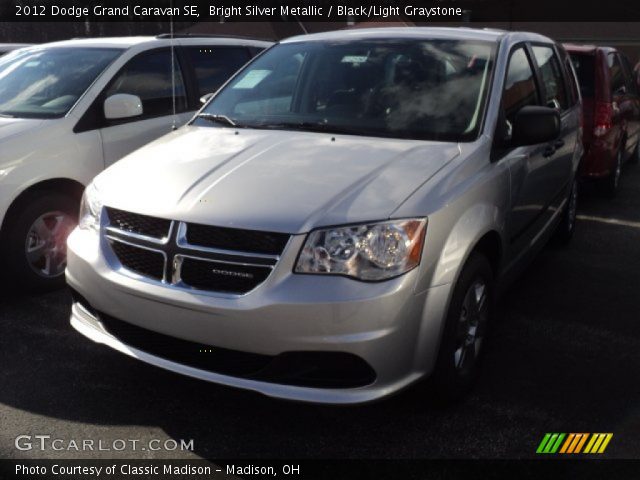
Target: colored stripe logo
572, 443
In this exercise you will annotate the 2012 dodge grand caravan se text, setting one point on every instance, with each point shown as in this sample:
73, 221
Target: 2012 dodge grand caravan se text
334, 224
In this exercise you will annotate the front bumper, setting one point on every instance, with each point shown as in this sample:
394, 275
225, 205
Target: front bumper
394, 329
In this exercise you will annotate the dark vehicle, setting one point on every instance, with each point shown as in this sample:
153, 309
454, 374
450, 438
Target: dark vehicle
611, 112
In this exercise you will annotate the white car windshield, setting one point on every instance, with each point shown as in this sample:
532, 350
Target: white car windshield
429, 89
46, 83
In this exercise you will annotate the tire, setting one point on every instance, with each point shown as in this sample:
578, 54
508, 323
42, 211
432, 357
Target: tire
39, 224
612, 182
635, 158
457, 365
567, 226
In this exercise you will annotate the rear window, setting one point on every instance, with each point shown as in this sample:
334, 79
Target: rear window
584, 66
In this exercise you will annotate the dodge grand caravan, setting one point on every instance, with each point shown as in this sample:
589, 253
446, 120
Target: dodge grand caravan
69, 109
334, 224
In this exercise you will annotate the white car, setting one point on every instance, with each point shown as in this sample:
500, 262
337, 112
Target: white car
70, 109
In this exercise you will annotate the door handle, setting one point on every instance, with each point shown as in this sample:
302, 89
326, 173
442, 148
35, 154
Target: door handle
558, 144
549, 151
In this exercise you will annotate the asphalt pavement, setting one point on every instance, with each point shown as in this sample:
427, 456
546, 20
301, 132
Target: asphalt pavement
563, 358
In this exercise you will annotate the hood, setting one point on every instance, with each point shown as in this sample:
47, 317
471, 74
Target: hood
279, 181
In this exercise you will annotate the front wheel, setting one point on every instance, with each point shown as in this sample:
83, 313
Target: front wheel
635, 158
567, 225
612, 182
465, 330
34, 241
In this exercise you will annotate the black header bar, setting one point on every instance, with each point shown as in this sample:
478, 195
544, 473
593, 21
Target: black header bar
415, 11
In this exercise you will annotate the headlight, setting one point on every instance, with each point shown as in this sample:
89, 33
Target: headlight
367, 252
90, 209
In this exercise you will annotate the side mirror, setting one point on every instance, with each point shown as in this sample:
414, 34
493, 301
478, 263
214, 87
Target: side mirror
533, 125
122, 105
205, 98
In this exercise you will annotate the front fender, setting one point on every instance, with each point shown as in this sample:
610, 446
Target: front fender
470, 227
468, 230
52, 153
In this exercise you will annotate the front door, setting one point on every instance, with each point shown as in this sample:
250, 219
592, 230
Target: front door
530, 189
149, 76
555, 94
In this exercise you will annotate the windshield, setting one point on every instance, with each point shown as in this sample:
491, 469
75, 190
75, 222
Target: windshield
432, 89
46, 83
11, 55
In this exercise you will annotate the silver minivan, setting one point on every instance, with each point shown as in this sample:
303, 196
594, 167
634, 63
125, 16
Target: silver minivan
335, 222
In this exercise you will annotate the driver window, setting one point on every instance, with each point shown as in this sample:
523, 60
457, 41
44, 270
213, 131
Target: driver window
149, 77
520, 86
551, 77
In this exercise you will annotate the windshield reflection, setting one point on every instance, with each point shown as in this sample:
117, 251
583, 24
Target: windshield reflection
404, 88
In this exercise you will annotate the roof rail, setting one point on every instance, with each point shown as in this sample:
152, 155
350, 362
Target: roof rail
212, 35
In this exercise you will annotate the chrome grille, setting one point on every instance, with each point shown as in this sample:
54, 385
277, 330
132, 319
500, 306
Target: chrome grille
139, 224
145, 262
164, 252
269, 243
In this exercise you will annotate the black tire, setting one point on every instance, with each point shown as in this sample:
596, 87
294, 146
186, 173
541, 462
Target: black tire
611, 184
455, 372
567, 226
46, 208
635, 158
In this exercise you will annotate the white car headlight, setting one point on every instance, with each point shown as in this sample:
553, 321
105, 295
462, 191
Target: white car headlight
90, 209
371, 252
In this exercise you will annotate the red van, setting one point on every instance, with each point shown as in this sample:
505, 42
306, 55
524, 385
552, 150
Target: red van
611, 112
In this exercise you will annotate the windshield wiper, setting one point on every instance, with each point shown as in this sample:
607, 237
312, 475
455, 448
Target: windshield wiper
217, 118
312, 127
320, 127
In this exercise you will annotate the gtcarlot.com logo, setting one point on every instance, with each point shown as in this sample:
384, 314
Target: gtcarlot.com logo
47, 442
573, 443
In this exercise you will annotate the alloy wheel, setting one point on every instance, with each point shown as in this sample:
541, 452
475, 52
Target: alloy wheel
471, 326
572, 206
46, 243
618, 171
